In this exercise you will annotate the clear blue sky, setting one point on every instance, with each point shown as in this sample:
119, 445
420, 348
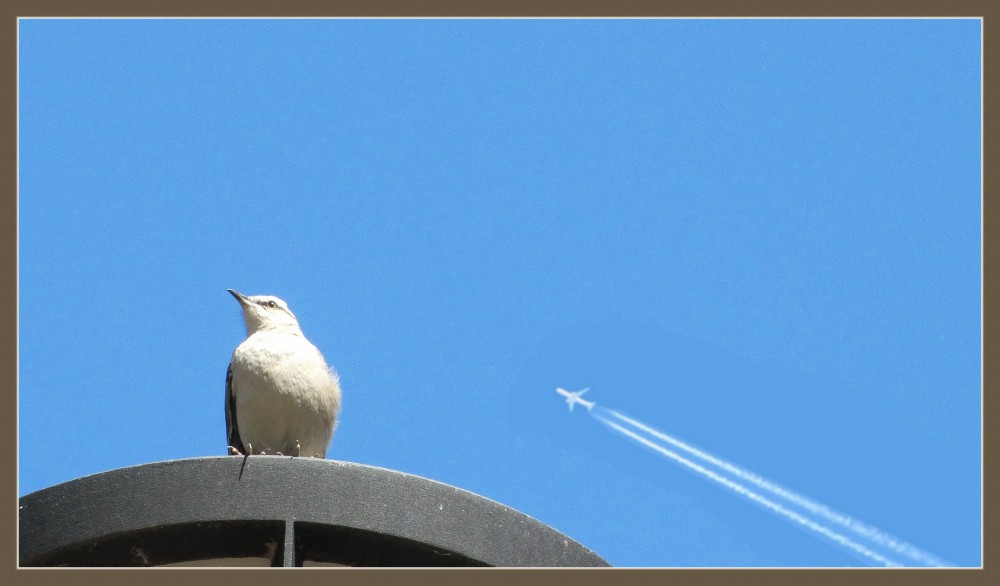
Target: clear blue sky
762, 237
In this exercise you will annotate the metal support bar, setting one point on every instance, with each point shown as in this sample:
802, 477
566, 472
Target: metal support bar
289, 544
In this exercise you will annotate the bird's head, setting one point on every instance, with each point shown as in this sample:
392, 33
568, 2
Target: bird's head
265, 312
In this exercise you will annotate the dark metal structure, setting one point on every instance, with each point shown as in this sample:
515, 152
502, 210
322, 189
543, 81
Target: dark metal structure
279, 511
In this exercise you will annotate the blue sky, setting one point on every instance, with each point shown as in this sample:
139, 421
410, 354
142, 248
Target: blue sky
760, 236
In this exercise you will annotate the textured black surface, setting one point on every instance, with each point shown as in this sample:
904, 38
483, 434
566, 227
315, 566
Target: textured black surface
338, 513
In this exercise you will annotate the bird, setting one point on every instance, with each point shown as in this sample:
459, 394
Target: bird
281, 397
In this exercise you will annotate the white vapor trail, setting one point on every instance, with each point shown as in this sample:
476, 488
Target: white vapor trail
775, 498
883, 539
767, 503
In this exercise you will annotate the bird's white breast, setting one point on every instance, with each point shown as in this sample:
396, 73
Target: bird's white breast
284, 392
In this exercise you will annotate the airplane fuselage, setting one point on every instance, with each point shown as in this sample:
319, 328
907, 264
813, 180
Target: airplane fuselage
572, 398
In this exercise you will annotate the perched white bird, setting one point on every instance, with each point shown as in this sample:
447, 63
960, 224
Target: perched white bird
281, 397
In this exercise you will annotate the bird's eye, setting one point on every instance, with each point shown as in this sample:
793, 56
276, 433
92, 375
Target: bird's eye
272, 304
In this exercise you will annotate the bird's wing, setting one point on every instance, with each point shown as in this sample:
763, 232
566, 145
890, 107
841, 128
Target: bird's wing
232, 431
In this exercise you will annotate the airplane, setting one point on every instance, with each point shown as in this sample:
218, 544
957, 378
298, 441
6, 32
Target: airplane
573, 398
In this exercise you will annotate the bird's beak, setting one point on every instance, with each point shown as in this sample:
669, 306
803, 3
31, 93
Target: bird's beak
239, 296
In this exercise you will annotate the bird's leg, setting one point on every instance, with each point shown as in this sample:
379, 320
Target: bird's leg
297, 449
234, 452
249, 448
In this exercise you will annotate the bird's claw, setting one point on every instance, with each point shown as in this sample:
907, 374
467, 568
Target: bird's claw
296, 451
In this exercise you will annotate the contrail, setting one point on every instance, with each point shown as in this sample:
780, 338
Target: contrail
866, 531
767, 503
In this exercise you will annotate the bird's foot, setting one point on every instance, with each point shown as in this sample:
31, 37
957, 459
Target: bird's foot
234, 452
297, 449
